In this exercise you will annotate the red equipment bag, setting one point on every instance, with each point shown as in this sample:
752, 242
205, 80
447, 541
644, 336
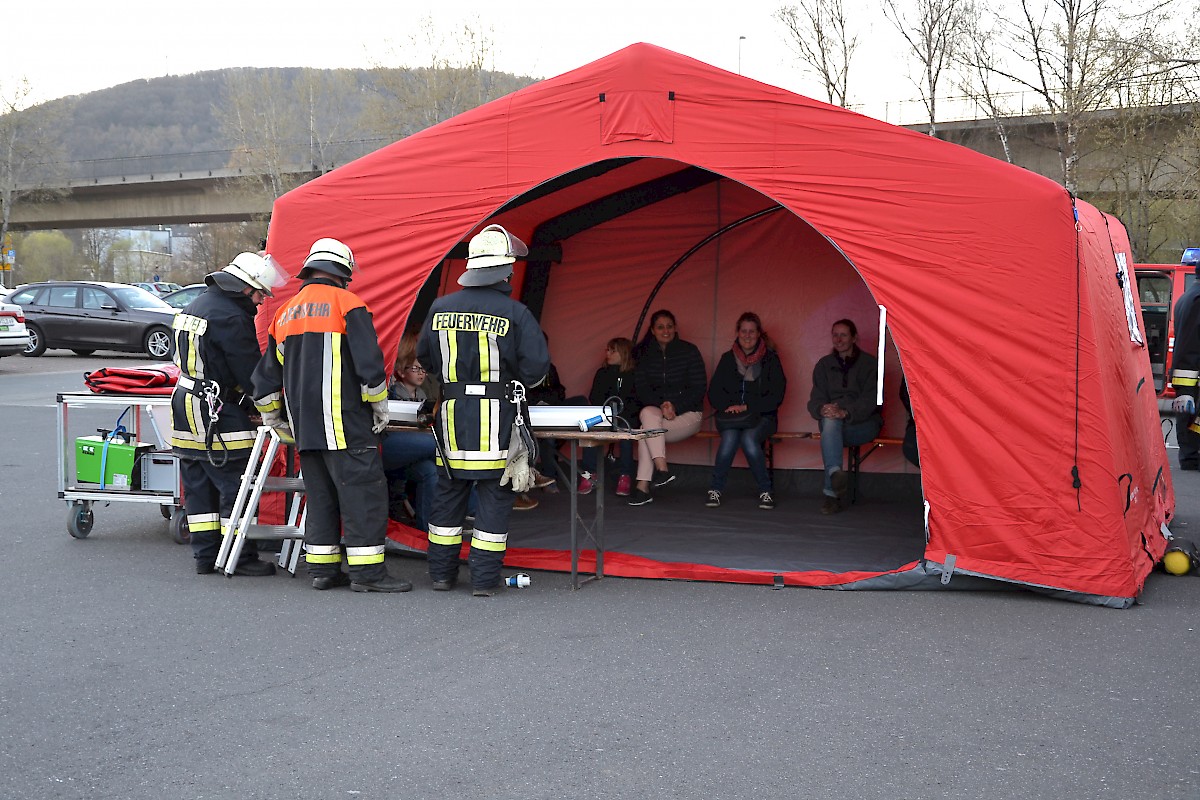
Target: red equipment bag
154, 379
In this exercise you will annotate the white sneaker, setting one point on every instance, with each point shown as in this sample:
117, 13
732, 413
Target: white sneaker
714, 499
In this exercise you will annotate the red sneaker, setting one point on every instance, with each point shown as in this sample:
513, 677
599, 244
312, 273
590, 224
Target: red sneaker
624, 486
585, 483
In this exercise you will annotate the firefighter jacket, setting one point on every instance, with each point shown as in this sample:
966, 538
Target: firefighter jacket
1185, 359
323, 364
477, 340
215, 342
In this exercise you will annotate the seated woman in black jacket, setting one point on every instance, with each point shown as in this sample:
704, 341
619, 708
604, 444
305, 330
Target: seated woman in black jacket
746, 392
613, 379
669, 382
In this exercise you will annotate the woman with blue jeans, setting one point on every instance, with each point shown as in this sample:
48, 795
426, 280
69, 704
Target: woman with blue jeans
843, 403
409, 455
746, 390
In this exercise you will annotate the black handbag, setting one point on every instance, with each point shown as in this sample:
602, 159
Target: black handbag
743, 420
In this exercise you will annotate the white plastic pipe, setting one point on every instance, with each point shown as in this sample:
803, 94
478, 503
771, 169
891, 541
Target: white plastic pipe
882, 340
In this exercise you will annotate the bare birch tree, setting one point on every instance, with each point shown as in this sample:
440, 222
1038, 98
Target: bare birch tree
213, 245
261, 116
1063, 51
933, 30
96, 251
287, 125
977, 66
819, 34
459, 74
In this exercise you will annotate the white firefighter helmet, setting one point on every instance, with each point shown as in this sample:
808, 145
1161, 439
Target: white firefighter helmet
490, 256
257, 272
331, 256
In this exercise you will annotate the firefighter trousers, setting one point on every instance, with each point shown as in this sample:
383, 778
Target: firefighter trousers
489, 540
209, 493
346, 495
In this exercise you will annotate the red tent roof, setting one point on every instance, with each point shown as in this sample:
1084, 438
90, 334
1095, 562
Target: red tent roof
1004, 309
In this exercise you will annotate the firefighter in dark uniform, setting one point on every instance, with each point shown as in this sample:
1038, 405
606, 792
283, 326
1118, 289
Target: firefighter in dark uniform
476, 340
216, 349
324, 368
1185, 366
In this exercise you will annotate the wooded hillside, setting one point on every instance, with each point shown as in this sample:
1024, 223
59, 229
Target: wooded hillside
201, 114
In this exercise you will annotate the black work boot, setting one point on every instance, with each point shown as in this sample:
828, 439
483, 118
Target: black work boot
387, 583
254, 568
205, 566
323, 582
445, 584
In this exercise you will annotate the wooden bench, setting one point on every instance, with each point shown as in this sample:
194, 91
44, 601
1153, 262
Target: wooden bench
858, 453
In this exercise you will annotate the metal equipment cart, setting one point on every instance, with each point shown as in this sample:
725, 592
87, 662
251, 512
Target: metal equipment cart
159, 481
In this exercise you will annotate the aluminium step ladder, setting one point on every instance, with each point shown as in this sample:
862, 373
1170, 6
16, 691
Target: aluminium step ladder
243, 519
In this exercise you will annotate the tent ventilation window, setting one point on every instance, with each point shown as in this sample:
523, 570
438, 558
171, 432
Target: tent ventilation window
1131, 315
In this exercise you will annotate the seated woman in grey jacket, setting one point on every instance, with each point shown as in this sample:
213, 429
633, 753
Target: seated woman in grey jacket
843, 402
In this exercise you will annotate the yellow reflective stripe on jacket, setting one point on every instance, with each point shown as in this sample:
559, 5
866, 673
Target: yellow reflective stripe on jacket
487, 423
233, 440
449, 346
191, 403
269, 402
335, 432
448, 426
485, 355
373, 394
477, 456
1185, 377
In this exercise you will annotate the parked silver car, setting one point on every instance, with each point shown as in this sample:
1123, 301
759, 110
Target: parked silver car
85, 316
181, 297
14, 337
159, 288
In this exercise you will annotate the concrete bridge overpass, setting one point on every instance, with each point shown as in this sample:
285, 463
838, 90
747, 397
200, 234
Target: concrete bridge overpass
159, 198
164, 195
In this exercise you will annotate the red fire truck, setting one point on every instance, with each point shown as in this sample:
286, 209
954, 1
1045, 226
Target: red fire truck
1159, 287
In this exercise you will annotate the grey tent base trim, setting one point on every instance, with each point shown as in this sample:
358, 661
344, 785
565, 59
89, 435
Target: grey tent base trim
928, 575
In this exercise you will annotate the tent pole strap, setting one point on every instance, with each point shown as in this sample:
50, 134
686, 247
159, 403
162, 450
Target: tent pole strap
691, 251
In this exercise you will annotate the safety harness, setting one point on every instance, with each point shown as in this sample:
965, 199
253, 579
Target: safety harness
209, 391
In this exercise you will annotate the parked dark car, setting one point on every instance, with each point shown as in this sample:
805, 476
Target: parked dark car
85, 316
181, 297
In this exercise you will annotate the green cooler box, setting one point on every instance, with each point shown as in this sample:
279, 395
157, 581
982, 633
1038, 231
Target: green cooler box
121, 463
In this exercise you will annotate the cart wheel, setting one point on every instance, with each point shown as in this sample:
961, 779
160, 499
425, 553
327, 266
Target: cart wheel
165, 511
79, 520
179, 526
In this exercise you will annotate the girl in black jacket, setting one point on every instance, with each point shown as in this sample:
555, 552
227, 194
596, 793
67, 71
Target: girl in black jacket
746, 391
669, 380
613, 379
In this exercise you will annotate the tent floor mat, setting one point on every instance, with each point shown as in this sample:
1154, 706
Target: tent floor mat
872, 535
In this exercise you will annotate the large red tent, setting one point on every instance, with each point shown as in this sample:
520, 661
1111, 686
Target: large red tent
650, 179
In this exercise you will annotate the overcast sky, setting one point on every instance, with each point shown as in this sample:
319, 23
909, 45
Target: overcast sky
76, 46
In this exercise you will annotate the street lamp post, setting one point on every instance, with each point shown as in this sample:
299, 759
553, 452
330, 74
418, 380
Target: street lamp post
740, 40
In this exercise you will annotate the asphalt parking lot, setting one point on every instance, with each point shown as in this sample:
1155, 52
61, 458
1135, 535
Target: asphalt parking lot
124, 675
